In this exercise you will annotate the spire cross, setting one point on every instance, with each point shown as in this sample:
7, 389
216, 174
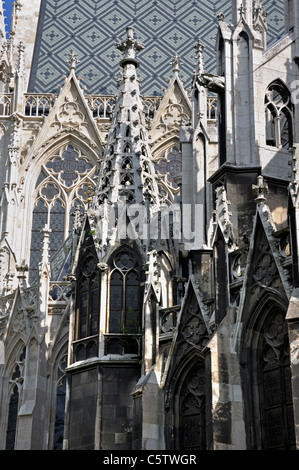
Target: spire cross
242, 11
176, 63
73, 60
21, 50
129, 47
199, 47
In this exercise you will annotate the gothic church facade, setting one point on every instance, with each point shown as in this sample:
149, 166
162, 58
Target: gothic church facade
148, 239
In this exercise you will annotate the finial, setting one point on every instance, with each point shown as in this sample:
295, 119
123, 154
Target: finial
21, 49
176, 63
220, 16
242, 11
73, 60
260, 190
129, 47
199, 47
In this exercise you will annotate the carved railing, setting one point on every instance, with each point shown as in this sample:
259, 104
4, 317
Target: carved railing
59, 291
85, 348
122, 344
101, 106
39, 104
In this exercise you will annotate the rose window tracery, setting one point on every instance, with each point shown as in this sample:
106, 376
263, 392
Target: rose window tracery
69, 166
169, 166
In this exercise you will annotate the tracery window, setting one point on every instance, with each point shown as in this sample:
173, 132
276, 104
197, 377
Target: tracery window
65, 183
125, 293
168, 165
274, 379
278, 116
192, 411
60, 403
13, 406
88, 298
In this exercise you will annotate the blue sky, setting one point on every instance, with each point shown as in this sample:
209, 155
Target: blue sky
8, 7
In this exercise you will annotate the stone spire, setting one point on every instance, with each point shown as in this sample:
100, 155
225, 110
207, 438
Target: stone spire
128, 173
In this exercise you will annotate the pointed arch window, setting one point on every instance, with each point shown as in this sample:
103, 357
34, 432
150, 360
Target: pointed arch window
64, 186
274, 384
278, 116
60, 402
169, 166
192, 411
88, 298
125, 293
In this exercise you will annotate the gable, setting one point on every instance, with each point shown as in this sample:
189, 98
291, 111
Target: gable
69, 116
267, 273
191, 335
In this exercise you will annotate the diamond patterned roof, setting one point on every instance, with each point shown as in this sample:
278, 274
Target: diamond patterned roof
91, 28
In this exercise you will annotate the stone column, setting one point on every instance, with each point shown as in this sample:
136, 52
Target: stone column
293, 326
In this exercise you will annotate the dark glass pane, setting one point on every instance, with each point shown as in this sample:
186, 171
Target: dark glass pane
275, 390
116, 302
69, 166
83, 315
39, 220
272, 387
12, 420
94, 311
60, 413
50, 191
57, 226
192, 410
125, 261
132, 302
91, 349
275, 422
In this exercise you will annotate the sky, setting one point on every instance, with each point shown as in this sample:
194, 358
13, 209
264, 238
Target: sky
7, 5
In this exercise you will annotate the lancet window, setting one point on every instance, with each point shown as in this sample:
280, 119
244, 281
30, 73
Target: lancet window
125, 293
278, 116
64, 187
274, 379
60, 402
88, 298
192, 411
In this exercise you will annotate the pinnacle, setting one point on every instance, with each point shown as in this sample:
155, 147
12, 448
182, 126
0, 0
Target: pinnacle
128, 172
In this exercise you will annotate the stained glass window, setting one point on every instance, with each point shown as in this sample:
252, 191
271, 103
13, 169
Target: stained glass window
88, 298
39, 220
278, 116
69, 166
13, 407
125, 293
65, 182
60, 403
276, 404
192, 411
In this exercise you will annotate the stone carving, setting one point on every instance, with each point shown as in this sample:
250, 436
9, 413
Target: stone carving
71, 115
193, 329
